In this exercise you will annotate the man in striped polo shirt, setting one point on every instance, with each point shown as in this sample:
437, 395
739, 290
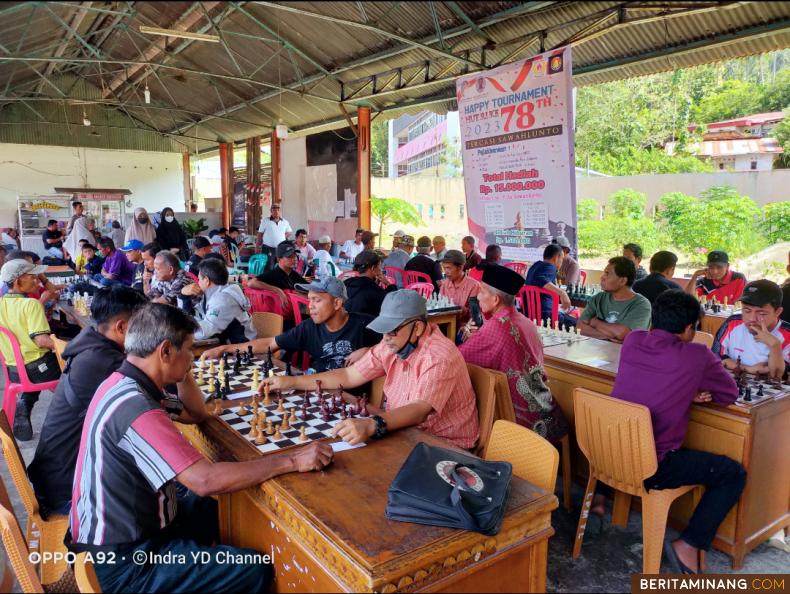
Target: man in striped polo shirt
125, 501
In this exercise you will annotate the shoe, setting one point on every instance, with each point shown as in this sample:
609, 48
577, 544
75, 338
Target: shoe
674, 562
779, 543
23, 429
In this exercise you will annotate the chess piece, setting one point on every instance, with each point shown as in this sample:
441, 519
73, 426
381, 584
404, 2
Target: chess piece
288, 370
303, 433
218, 410
277, 435
267, 401
242, 410
318, 390
363, 406
211, 386
269, 427
250, 355
280, 403
211, 369
760, 391
286, 423
202, 362
260, 439
343, 414
200, 380
292, 418
256, 382
269, 360
254, 429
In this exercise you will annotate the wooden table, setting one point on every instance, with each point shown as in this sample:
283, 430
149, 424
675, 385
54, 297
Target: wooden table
447, 321
711, 322
53, 271
758, 437
328, 532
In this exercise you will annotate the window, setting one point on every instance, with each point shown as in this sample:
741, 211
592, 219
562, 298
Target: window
419, 209
753, 165
721, 166
460, 211
430, 211
441, 211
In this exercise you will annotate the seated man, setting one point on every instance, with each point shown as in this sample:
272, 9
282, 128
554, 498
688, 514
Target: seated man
457, 286
90, 359
543, 274
508, 342
717, 281
422, 262
493, 258
222, 310
116, 268
44, 290
26, 319
282, 277
696, 376
615, 311
633, 251
325, 266
399, 256
169, 280
144, 271
662, 269
425, 381
330, 335
365, 294
134, 253
472, 258
757, 339
131, 458
353, 247
201, 247
569, 273
439, 248
53, 239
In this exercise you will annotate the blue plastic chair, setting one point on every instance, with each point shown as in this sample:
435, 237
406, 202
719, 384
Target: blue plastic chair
257, 264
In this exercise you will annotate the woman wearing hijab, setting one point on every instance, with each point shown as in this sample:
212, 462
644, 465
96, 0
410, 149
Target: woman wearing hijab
170, 236
79, 230
141, 228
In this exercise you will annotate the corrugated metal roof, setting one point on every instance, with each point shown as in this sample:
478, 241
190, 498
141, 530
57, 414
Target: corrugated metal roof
319, 51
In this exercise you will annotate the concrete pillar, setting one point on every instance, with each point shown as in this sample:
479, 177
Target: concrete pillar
187, 181
276, 169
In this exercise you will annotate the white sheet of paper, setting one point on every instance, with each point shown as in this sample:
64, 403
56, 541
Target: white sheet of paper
596, 362
342, 446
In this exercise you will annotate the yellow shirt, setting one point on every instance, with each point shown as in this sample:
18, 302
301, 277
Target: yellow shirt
24, 317
79, 264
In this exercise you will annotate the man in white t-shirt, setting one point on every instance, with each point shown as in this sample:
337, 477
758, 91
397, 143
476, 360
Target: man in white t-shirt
326, 267
353, 247
272, 232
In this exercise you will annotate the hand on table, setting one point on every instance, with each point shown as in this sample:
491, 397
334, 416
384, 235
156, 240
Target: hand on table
757, 369
565, 301
277, 382
315, 456
354, 431
703, 397
216, 352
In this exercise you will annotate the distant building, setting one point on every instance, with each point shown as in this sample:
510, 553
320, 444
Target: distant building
424, 144
742, 144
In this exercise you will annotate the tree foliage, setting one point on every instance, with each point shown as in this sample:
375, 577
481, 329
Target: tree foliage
587, 209
394, 210
379, 149
776, 222
627, 204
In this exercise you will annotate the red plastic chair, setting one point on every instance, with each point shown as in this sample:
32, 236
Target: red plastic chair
412, 277
348, 274
583, 277
191, 276
296, 300
424, 289
529, 297
264, 301
13, 389
476, 274
520, 267
395, 273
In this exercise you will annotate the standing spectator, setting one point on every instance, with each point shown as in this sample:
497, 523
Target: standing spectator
116, 267
170, 236
569, 272
141, 227
352, 247
439, 248
271, 233
422, 262
633, 251
26, 319
53, 239
468, 248
306, 251
78, 210
79, 233
117, 234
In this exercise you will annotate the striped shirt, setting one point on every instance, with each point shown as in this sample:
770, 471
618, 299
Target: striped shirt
129, 454
460, 294
434, 373
730, 286
734, 341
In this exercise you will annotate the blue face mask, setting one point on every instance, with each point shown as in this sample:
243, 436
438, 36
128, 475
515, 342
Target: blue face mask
409, 347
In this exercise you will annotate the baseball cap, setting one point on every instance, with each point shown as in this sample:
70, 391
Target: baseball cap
399, 233
13, 269
398, 307
762, 292
366, 259
132, 244
718, 257
367, 236
200, 242
329, 284
454, 257
285, 249
562, 241
324, 239
424, 242
407, 240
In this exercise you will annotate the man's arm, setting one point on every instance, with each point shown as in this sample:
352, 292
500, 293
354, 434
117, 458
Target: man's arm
191, 397
776, 363
612, 331
348, 377
691, 286
356, 431
259, 346
564, 299
44, 341
206, 479
589, 328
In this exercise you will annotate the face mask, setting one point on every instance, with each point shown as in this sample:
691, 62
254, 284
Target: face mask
409, 347
142, 220
170, 219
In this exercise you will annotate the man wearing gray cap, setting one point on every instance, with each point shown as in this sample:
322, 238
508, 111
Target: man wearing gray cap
27, 320
569, 272
426, 381
398, 257
332, 336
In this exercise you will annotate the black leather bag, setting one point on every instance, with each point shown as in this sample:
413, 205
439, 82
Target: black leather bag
442, 487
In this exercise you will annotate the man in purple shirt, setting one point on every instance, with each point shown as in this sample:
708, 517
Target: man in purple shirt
117, 268
664, 370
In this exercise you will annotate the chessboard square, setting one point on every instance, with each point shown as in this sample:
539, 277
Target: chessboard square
284, 443
320, 427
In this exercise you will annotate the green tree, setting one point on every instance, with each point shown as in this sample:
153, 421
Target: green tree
776, 96
776, 221
627, 204
394, 210
587, 209
735, 98
379, 149
782, 135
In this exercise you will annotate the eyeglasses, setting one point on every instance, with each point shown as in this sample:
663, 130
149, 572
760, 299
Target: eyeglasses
394, 333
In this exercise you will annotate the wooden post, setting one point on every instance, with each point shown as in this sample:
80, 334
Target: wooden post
253, 208
226, 179
187, 181
363, 166
276, 170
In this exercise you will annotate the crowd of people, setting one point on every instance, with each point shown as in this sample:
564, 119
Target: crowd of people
110, 456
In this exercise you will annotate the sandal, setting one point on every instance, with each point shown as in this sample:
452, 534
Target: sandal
676, 564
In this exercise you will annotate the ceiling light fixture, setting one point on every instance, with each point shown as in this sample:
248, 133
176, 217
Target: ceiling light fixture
147, 94
180, 34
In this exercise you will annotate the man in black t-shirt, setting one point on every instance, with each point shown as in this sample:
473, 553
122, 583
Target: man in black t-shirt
332, 336
282, 277
422, 262
662, 269
201, 247
53, 239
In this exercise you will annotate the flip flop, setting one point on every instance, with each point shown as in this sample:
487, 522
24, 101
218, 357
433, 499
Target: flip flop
676, 564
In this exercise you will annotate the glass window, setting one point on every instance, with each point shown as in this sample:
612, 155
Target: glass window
460, 211
441, 211
430, 211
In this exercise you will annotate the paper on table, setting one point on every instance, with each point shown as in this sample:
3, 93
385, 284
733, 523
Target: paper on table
596, 362
236, 395
342, 446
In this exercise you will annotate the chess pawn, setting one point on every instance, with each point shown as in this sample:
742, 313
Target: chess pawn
260, 439
254, 429
211, 369
242, 409
267, 401
255, 380
286, 424
269, 427
292, 419
200, 380
211, 388
303, 433
202, 362
281, 404
277, 434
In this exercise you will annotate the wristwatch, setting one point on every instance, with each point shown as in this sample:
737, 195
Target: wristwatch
381, 427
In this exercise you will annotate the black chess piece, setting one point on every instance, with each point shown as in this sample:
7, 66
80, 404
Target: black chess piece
225, 358
250, 355
269, 360
288, 370
760, 391
747, 397
343, 414
306, 398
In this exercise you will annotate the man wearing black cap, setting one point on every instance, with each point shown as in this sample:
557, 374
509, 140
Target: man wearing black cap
283, 276
756, 340
422, 262
365, 292
717, 281
508, 342
201, 247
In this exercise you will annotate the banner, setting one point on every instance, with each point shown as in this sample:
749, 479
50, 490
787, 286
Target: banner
517, 146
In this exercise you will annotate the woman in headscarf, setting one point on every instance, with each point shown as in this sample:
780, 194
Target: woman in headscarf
141, 227
170, 236
79, 230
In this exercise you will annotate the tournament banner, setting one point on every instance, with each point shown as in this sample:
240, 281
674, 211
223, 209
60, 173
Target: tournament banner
517, 147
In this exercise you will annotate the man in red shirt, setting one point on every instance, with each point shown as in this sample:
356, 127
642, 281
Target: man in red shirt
717, 281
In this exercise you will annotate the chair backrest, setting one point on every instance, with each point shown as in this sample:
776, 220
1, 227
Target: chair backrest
412, 276
376, 396
520, 267
297, 300
396, 273
234, 252
300, 265
705, 338
18, 361
267, 324
257, 264
503, 409
529, 297
191, 276
263, 300
16, 467
583, 277
18, 553
424, 289
483, 385
348, 274
87, 582
534, 459
60, 345
475, 274
616, 436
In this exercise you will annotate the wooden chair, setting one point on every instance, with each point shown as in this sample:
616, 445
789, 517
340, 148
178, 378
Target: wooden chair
376, 396
534, 459
483, 385
529, 297
704, 338
412, 276
60, 345
424, 289
50, 532
87, 582
267, 324
520, 267
617, 439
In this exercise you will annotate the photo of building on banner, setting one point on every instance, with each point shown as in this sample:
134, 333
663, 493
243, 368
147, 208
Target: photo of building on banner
517, 145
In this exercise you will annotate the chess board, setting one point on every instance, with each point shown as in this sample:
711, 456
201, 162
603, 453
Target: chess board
436, 310
770, 389
238, 382
550, 340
